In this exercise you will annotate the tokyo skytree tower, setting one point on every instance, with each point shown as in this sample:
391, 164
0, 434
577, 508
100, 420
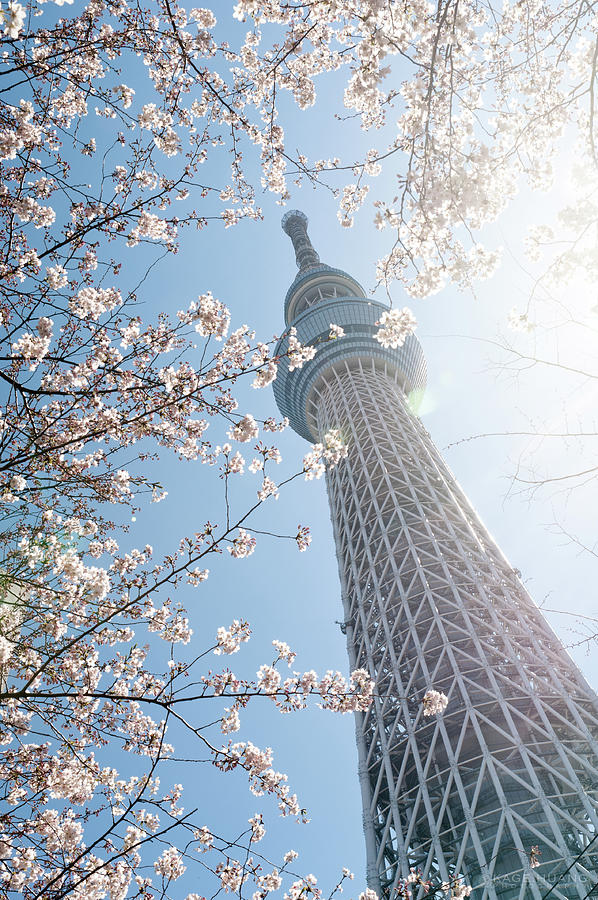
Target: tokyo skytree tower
430, 602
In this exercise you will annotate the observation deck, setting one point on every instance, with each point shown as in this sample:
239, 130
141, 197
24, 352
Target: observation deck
318, 297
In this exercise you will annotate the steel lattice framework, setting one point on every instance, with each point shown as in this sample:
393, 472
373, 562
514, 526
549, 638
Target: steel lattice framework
429, 601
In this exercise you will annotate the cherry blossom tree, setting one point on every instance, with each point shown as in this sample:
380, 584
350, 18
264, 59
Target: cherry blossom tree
89, 633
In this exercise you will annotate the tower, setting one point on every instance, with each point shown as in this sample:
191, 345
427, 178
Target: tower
430, 602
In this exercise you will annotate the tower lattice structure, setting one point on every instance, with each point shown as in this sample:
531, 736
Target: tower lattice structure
431, 602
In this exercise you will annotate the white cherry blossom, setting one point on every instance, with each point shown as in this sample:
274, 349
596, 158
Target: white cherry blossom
434, 702
396, 326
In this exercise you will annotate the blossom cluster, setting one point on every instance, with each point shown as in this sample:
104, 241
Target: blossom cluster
334, 691
434, 702
396, 326
13, 19
326, 454
229, 640
297, 353
457, 889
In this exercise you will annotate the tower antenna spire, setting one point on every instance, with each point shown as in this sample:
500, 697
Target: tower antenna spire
294, 223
